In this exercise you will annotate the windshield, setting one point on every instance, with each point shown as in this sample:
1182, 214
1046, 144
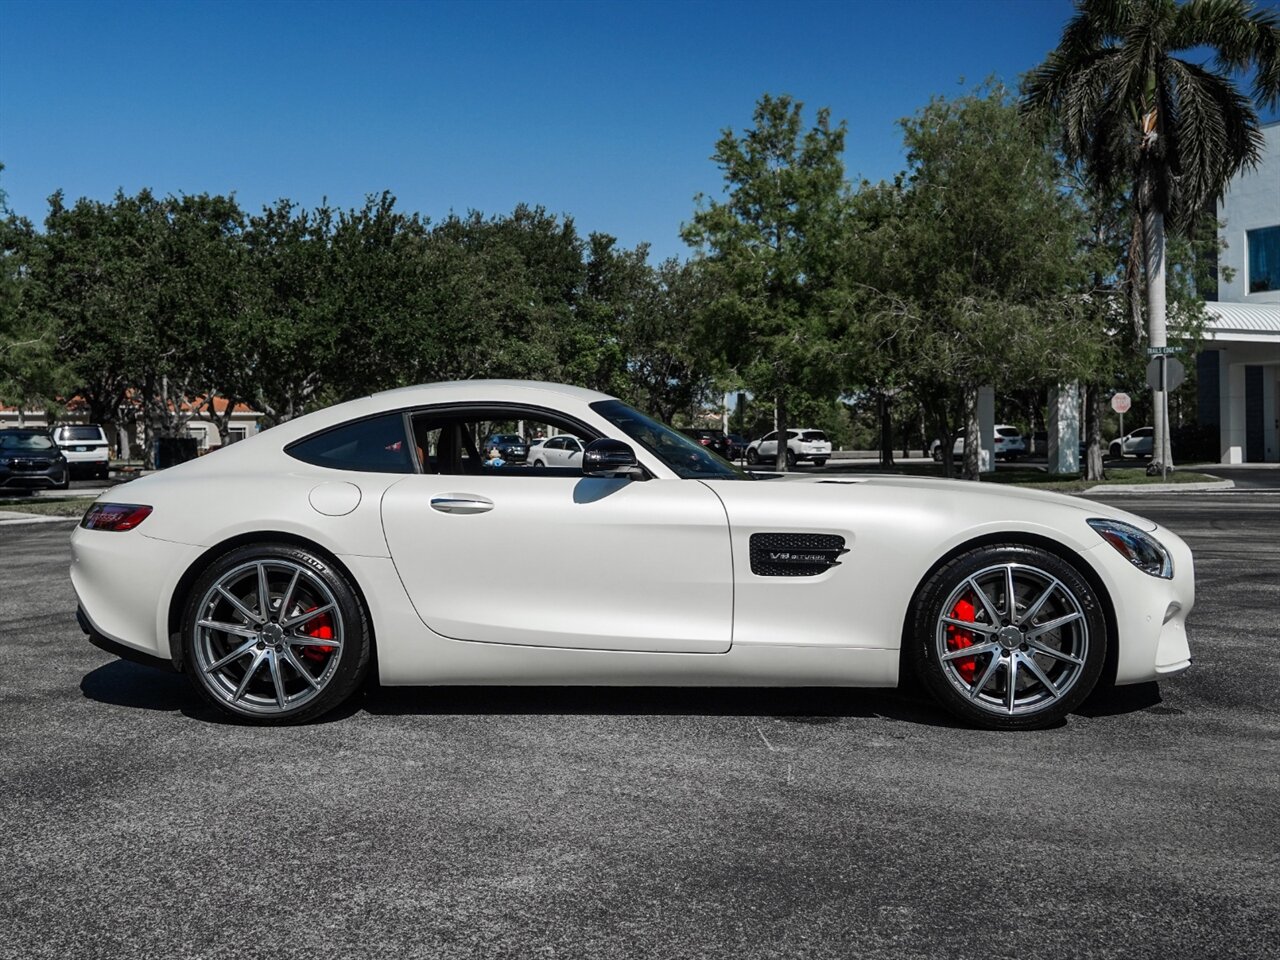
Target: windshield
509, 438
25, 441
688, 458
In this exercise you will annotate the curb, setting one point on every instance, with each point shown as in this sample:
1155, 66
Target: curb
1157, 487
34, 518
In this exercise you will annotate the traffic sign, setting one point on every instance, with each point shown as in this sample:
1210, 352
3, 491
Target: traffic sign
1157, 351
1165, 373
1121, 403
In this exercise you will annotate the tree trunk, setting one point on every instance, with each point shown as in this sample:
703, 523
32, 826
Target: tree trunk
1093, 430
885, 403
972, 435
1157, 331
780, 459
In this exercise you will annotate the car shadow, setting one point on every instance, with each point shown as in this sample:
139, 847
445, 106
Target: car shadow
125, 684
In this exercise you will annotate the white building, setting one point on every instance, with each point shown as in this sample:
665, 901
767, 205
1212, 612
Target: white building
1239, 370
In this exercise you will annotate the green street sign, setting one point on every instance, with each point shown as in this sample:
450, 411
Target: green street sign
1157, 351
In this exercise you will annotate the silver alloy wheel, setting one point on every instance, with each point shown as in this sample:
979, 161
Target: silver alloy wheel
268, 637
1013, 639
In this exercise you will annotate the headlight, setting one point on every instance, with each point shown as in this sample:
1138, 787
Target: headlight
1138, 547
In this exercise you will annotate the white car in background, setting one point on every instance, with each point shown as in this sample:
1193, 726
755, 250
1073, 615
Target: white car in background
85, 447
562, 451
803, 443
1008, 441
658, 563
1140, 443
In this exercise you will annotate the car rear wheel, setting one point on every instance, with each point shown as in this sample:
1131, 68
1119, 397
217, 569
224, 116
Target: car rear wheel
819, 461
539, 465
1008, 637
275, 634
792, 460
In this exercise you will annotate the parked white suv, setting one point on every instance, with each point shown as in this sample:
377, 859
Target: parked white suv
1008, 440
85, 447
802, 444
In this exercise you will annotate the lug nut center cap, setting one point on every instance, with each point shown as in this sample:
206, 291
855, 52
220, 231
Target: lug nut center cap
1010, 638
273, 633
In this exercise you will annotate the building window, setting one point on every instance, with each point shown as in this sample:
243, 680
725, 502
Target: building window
1264, 259
236, 434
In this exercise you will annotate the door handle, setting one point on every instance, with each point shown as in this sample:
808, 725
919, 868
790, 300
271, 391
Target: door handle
461, 503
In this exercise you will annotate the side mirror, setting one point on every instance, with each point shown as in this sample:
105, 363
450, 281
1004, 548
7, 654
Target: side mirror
607, 457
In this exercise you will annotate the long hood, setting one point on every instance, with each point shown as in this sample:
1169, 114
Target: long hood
988, 495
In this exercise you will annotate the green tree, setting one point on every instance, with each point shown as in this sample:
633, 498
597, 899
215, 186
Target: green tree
980, 277
1168, 129
773, 247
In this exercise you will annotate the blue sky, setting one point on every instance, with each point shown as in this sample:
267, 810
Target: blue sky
605, 111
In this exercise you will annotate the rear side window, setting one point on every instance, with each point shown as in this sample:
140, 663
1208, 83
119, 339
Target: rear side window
1009, 432
80, 433
376, 445
813, 436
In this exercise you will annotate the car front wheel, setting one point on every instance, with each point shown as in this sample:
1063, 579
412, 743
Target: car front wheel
753, 456
1008, 637
275, 634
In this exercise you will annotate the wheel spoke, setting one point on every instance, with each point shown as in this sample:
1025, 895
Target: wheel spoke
273, 661
1011, 690
258, 657
1041, 600
1041, 629
986, 678
288, 594
264, 593
297, 666
306, 615
235, 654
236, 602
1044, 648
1040, 675
983, 628
302, 640
236, 629
975, 651
987, 605
1010, 605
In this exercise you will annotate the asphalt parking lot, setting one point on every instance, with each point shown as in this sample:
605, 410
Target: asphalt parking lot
487, 822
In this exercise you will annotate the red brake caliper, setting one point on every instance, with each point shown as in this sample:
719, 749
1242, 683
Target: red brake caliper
321, 628
958, 638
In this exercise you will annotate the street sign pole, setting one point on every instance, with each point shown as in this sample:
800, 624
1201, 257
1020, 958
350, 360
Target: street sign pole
1164, 399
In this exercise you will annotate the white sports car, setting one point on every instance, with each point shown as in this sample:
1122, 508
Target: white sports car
374, 535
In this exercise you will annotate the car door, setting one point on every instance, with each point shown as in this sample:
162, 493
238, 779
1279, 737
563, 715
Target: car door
768, 446
532, 557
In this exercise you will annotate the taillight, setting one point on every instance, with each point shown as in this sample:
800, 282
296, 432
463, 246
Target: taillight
117, 517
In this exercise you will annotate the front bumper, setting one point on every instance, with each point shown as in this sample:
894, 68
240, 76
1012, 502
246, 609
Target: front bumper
41, 480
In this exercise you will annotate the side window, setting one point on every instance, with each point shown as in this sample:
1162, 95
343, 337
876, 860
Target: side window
769, 436
375, 445
493, 441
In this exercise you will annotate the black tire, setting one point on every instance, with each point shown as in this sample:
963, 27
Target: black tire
1116, 451
753, 456
347, 653
792, 460
936, 453
539, 465
1070, 657
819, 461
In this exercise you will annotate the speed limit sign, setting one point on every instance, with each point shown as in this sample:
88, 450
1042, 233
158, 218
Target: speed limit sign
1120, 403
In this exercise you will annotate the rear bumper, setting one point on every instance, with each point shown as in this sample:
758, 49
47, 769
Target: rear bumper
115, 648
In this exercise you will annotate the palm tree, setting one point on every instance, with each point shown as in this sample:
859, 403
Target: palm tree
1169, 128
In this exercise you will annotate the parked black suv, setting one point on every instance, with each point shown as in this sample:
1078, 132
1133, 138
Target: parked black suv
29, 459
714, 439
513, 447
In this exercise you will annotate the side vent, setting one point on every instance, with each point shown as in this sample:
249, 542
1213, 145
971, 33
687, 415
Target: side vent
795, 554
